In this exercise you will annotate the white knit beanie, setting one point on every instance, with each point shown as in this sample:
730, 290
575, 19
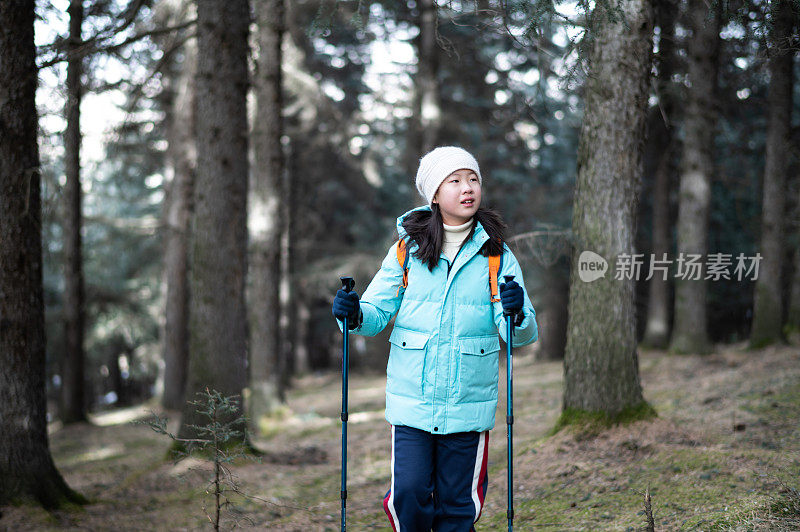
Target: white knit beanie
439, 163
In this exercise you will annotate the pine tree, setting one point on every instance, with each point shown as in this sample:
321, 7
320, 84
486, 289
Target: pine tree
217, 316
26, 467
601, 369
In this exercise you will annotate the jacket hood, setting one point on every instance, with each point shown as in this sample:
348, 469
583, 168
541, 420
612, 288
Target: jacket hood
401, 231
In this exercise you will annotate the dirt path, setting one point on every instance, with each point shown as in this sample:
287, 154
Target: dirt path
702, 474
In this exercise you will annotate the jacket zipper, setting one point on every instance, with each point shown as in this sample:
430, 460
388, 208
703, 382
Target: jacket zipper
450, 264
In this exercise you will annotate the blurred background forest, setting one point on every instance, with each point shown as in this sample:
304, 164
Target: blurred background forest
355, 127
159, 178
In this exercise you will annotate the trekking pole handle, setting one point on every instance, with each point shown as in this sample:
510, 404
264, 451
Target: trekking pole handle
347, 283
508, 279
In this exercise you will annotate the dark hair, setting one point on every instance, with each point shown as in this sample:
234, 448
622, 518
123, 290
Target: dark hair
425, 228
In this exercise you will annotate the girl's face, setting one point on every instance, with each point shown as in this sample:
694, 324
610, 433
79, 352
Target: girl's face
459, 197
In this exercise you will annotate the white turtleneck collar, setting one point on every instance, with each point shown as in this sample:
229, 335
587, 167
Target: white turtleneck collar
454, 235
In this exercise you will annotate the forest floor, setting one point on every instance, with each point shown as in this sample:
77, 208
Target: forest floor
702, 474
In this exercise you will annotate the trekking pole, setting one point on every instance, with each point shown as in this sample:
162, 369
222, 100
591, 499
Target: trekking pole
347, 284
509, 409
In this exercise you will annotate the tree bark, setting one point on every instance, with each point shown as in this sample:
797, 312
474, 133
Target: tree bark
555, 315
115, 373
768, 305
289, 282
689, 334
657, 328
72, 379
299, 335
297, 331
27, 471
425, 122
181, 159
601, 369
429, 102
793, 314
218, 321
266, 216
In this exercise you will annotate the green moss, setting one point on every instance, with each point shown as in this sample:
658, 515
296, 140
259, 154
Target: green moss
589, 422
761, 343
55, 496
272, 424
689, 346
766, 319
179, 448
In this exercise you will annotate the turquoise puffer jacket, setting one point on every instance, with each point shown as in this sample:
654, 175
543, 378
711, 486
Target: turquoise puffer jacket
444, 349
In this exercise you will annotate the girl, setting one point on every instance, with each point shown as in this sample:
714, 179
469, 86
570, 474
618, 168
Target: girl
441, 379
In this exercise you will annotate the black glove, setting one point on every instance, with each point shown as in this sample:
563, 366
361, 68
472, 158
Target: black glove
511, 297
346, 305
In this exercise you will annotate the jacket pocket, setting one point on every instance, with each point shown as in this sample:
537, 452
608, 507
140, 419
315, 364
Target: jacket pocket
406, 365
478, 368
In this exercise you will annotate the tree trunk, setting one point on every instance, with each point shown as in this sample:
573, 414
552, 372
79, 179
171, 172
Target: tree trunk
425, 122
555, 314
27, 471
555, 298
657, 328
768, 308
72, 391
181, 159
115, 373
286, 364
601, 368
299, 335
689, 333
793, 311
266, 220
429, 102
217, 322
298, 330
793, 315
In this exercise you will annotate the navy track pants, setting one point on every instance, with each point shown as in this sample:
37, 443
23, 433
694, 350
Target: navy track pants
438, 481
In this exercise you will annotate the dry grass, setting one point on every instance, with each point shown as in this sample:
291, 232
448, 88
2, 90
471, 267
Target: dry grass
700, 473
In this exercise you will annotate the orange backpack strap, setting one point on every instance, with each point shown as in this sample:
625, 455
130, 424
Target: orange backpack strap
402, 259
495, 264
